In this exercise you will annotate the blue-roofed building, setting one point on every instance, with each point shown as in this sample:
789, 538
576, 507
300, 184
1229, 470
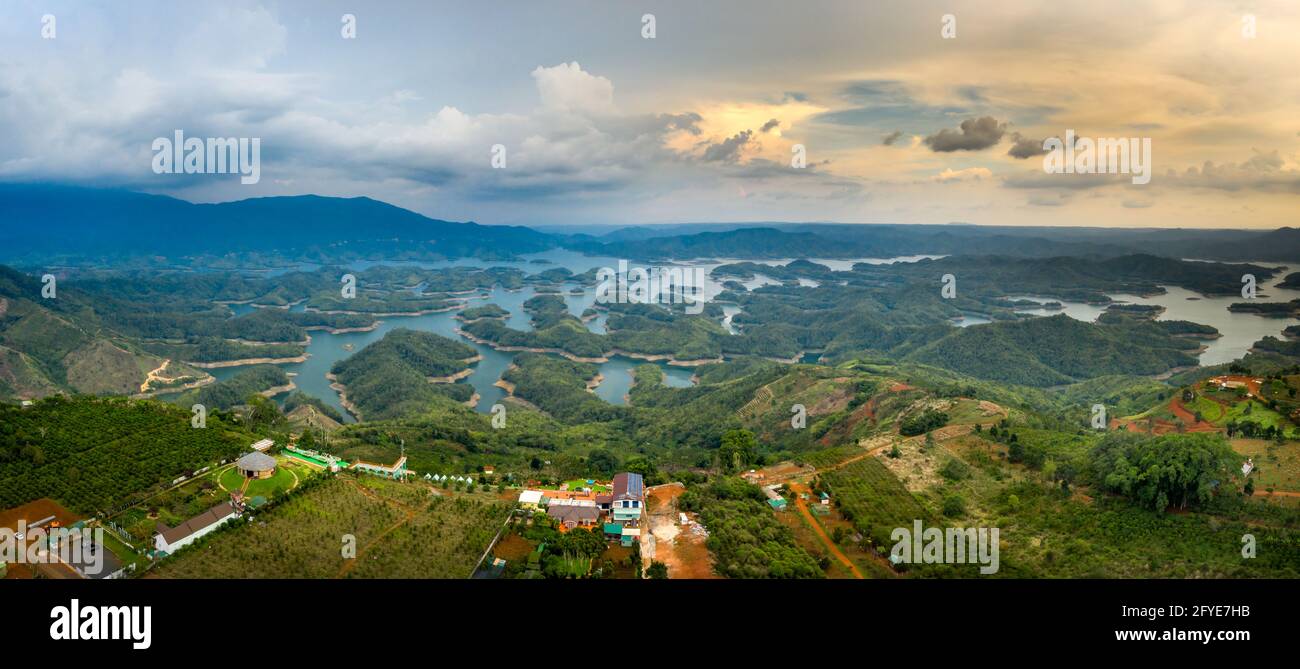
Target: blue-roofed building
628, 498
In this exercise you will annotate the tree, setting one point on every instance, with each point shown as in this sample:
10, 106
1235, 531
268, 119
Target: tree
603, 462
1170, 470
739, 448
657, 570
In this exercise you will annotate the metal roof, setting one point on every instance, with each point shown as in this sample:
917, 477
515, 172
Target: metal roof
256, 462
628, 484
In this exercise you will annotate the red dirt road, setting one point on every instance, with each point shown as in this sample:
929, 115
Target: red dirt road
800, 489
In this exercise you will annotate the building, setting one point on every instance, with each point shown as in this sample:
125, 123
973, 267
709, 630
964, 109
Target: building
395, 471
573, 515
263, 445
778, 504
530, 499
256, 466
169, 540
826, 498
489, 470
628, 498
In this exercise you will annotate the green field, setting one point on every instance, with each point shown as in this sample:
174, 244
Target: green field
1277, 466
399, 530
286, 476
1252, 411
1210, 411
873, 499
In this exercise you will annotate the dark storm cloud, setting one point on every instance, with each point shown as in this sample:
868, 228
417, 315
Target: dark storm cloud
728, 150
1025, 147
770, 125
888, 140
974, 134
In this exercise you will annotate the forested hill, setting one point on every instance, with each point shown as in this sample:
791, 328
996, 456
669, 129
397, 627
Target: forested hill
882, 241
38, 222
404, 372
1057, 350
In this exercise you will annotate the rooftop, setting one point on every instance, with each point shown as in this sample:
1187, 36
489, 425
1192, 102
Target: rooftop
210, 517
256, 462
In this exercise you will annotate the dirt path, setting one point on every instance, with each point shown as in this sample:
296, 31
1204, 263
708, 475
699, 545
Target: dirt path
154, 375
410, 514
799, 489
1189, 418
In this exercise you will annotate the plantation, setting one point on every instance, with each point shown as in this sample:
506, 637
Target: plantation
400, 530
874, 500
94, 455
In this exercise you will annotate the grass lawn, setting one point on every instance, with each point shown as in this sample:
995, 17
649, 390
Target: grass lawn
579, 484
1210, 411
123, 552
1261, 415
283, 479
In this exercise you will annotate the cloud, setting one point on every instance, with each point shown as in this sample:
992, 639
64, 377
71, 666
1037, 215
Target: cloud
1045, 200
975, 134
728, 150
1025, 147
1263, 172
968, 174
567, 87
770, 125
888, 140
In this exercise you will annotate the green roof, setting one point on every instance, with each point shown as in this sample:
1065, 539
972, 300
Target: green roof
777, 503
613, 528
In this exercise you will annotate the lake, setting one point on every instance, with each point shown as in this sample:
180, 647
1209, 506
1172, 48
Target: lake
1239, 330
325, 349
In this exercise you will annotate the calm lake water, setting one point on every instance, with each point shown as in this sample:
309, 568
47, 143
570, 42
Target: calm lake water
325, 349
1239, 330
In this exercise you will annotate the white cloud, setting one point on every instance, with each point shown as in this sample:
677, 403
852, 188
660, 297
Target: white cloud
566, 87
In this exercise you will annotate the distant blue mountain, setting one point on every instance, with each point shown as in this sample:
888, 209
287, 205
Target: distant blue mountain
54, 221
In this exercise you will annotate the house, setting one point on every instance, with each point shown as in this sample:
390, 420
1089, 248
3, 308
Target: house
489, 470
170, 540
572, 515
1248, 466
530, 499
630, 536
256, 465
263, 445
628, 498
778, 504
826, 499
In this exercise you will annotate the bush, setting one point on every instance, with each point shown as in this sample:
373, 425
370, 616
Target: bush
953, 506
954, 470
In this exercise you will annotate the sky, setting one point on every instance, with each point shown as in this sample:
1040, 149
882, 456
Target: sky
905, 111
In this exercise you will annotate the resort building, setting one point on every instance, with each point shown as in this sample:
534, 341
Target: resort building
263, 445
574, 515
169, 540
256, 466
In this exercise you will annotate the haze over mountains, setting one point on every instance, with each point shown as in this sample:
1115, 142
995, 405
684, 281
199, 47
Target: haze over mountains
75, 225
